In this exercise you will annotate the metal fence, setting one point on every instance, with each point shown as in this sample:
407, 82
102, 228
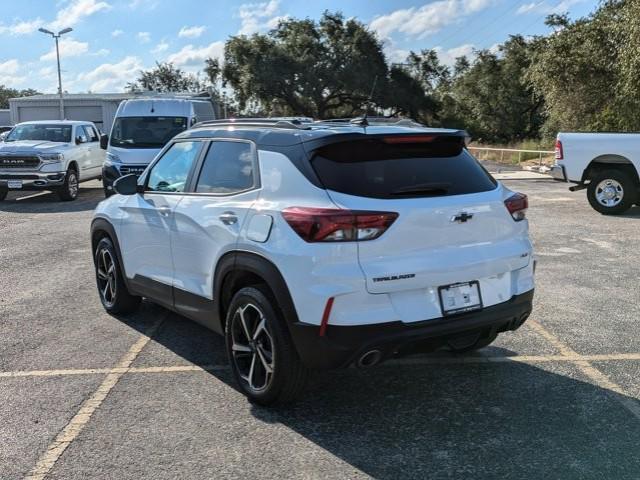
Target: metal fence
512, 155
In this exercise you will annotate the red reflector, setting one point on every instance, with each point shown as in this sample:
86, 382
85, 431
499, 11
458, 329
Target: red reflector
325, 317
559, 151
409, 139
517, 205
336, 225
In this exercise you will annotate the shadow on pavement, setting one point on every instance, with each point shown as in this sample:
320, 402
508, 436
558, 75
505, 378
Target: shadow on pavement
506, 420
48, 202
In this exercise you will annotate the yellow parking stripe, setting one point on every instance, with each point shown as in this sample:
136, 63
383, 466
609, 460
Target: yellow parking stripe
71, 431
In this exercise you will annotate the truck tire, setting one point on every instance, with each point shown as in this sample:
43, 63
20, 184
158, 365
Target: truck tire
3, 194
69, 190
612, 192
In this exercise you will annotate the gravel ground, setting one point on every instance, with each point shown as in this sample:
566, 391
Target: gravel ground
559, 398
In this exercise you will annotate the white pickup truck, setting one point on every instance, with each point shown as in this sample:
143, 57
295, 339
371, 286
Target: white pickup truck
606, 164
50, 155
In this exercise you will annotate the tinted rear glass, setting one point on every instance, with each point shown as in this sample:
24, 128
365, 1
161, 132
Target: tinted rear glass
377, 169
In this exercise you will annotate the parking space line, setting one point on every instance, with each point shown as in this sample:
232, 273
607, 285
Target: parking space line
598, 378
71, 431
605, 357
31, 196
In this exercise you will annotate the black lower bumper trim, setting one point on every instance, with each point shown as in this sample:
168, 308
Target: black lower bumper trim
343, 345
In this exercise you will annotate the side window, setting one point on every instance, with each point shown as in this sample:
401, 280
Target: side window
227, 168
170, 173
90, 133
81, 135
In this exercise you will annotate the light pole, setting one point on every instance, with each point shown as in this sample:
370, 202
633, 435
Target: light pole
56, 37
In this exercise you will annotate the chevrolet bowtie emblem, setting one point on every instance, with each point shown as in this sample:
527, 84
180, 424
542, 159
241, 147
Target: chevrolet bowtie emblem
462, 217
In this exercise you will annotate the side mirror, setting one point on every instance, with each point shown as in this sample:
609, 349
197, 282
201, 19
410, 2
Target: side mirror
104, 141
127, 185
81, 139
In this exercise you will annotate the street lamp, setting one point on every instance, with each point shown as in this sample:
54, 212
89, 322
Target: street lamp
56, 37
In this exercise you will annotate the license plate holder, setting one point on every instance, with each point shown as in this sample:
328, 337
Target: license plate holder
460, 297
14, 184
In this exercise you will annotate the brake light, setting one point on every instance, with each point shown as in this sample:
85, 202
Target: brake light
559, 151
336, 225
517, 205
408, 139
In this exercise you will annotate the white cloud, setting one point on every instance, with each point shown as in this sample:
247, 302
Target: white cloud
46, 72
191, 56
20, 27
420, 22
161, 47
255, 17
117, 33
68, 48
76, 11
546, 7
191, 32
9, 73
111, 76
448, 57
144, 37
103, 52
146, 4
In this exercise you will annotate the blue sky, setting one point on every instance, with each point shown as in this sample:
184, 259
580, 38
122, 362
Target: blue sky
113, 39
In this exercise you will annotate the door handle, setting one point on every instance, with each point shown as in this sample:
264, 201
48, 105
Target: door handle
228, 218
164, 211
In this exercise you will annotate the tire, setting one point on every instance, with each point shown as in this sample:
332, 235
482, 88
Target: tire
480, 343
69, 189
612, 192
113, 292
3, 194
270, 347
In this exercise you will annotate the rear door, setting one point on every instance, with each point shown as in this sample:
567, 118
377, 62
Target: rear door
95, 155
452, 223
208, 220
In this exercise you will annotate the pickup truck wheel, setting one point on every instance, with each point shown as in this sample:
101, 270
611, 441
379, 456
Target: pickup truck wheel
3, 194
612, 192
69, 190
114, 295
263, 358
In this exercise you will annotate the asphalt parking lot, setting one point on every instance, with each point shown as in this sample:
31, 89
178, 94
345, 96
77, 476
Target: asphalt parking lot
87, 395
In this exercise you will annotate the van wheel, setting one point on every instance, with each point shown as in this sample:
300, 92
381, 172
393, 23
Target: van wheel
612, 192
3, 194
69, 189
263, 358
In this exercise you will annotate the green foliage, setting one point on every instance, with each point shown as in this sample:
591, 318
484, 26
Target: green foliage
165, 77
6, 93
320, 69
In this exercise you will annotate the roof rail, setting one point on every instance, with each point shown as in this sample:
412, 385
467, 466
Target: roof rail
365, 121
298, 123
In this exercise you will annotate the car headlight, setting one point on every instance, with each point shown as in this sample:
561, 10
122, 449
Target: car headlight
112, 159
51, 157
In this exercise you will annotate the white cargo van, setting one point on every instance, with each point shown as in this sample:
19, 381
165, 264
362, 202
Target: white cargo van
142, 127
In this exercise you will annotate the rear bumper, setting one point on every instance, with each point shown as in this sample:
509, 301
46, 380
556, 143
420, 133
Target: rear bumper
558, 173
343, 345
32, 180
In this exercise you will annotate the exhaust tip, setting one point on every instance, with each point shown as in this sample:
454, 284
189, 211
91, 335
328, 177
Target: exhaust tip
369, 359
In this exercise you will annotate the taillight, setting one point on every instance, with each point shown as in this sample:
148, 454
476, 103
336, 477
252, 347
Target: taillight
517, 205
559, 151
336, 225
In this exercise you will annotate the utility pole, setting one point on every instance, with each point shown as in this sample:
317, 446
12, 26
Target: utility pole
56, 37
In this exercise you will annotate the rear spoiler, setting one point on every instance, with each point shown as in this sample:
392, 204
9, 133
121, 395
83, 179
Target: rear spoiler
405, 137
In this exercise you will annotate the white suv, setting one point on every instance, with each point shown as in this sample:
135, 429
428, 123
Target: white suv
318, 245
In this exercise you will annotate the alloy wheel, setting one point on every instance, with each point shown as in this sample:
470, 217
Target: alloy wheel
72, 183
252, 347
106, 272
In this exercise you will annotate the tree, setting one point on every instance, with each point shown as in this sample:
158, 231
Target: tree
490, 96
6, 93
319, 69
165, 77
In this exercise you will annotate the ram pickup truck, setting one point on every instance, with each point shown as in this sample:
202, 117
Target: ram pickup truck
51, 155
606, 164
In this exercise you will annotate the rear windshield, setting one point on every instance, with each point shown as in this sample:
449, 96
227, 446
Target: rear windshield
379, 169
146, 132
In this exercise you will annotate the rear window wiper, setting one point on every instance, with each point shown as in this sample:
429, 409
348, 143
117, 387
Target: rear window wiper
423, 188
